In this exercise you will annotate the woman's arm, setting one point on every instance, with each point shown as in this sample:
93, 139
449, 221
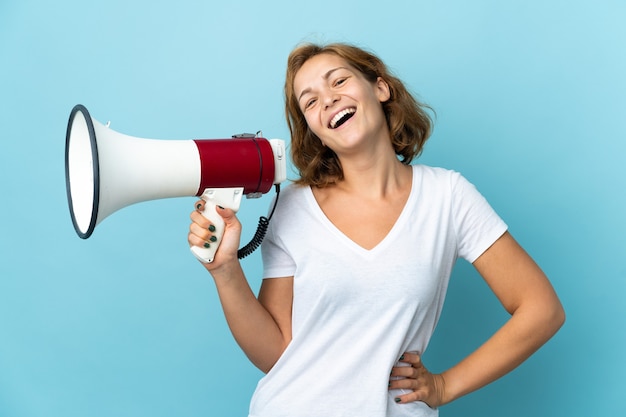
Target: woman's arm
261, 327
536, 314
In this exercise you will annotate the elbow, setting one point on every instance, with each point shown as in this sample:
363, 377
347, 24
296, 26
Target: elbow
551, 311
543, 317
266, 362
559, 317
264, 365
553, 317
265, 369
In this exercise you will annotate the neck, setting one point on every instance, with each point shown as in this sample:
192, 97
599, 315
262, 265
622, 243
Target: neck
375, 175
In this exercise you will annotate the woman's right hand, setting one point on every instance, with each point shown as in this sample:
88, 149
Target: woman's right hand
201, 234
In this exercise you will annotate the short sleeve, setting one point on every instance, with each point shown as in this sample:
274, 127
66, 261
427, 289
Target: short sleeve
277, 261
477, 224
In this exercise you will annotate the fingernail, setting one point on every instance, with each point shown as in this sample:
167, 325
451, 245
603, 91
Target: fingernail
397, 400
213, 239
221, 207
402, 357
206, 245
211, 228
198, 206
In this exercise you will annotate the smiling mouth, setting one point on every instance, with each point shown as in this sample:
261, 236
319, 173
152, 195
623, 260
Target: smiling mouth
341, 117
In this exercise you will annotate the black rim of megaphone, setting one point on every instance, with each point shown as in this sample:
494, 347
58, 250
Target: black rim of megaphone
95, 166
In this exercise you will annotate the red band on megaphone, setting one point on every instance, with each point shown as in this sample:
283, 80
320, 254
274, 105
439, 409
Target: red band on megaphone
247, 163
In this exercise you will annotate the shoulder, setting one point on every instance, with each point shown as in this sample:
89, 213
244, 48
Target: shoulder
433, 171
292, 202
444, 185
437, 176
293, 194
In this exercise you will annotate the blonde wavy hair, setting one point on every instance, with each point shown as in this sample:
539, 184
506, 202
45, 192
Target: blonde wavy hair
409, 121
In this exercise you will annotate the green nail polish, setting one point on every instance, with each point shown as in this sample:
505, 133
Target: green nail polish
211, 228
198, 206
206, 245
397, 400
213, 239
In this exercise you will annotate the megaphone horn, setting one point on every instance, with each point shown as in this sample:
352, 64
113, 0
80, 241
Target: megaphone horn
106, 171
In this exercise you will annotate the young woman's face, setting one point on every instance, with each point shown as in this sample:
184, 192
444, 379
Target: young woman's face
340, 106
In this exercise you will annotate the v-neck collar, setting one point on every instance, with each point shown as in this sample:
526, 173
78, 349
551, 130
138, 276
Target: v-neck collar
395, 229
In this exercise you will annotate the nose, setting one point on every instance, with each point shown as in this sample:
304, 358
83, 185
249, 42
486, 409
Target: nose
330, 99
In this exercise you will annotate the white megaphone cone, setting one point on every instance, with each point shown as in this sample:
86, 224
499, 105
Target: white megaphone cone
106, 171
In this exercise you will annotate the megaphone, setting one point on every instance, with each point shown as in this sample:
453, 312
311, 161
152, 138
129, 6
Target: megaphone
106, 171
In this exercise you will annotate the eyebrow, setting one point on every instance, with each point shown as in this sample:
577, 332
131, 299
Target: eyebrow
325, 76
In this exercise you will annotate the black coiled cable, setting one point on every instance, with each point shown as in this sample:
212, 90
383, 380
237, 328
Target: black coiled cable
261, 230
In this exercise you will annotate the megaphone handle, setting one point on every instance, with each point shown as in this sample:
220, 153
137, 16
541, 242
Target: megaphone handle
224, 197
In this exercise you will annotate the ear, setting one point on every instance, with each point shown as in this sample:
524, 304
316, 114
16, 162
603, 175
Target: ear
382, 90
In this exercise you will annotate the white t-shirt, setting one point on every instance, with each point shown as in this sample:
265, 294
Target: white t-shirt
355, 311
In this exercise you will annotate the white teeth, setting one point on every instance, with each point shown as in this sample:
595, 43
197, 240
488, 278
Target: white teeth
338, 116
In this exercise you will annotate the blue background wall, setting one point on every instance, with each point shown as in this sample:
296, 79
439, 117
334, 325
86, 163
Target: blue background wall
530, 97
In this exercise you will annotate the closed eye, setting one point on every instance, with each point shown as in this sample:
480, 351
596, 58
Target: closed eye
340, 81
309, 103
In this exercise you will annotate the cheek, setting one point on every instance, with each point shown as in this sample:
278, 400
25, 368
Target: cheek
312, 121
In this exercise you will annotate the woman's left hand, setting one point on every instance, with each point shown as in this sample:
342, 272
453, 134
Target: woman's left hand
427, 387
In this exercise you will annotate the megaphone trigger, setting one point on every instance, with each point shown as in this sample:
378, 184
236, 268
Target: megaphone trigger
224, 197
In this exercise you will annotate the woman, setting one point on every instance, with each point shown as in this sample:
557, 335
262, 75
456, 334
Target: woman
359, 253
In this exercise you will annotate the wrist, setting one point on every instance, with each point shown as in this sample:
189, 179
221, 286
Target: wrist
225, 270
445, 386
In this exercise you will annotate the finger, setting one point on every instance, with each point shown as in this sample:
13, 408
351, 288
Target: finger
199, 219
198, 232
403, 371
197, 214
195, 241
408, 369
418, 395
404, 383
229, 216
420, 391
199, 205
201, 230
412, 358
226, 213
427, 390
